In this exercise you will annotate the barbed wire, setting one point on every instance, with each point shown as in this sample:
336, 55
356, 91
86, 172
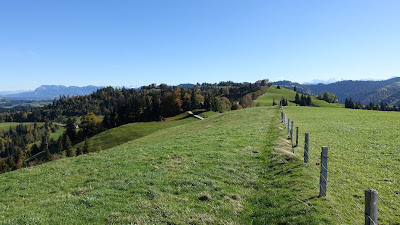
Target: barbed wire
328, 184
387, 204
341, 186
333, 206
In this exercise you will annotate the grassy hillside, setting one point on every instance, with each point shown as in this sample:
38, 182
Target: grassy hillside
128, 132
363, 153
274, 93
227, 169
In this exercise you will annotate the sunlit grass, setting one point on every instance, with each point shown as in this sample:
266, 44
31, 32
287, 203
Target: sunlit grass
363, 153
226, 169
273, 93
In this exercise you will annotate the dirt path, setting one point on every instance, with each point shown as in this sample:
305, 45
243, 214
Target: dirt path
198, 117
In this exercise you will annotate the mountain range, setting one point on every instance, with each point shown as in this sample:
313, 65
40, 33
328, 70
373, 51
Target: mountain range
49, 92
386, 91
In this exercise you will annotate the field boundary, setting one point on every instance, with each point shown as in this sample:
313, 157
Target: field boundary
353, 212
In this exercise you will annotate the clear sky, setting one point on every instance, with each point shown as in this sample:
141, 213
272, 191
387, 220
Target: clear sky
140, 42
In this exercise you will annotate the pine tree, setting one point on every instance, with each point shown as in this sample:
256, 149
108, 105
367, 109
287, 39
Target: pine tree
273, 102
78, 151
68, 147
70, 130
60, 146
47, 156
193, 100
308, 101
297, 99
86, 147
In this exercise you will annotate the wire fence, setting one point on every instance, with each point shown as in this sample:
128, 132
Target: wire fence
340, 190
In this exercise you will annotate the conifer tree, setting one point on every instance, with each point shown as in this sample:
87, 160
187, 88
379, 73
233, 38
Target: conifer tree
78, 151
70, 130
308, 100
86, 147
60, 146
47, 156
68, 147
193, 100
297, 99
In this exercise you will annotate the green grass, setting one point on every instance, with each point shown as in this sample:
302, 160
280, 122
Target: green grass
363, 153
6, 126
226, 169
58, 133
274, 93
125, 133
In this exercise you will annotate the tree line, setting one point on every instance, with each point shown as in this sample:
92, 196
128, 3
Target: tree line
349, 103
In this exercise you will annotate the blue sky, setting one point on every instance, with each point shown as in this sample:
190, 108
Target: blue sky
134, 43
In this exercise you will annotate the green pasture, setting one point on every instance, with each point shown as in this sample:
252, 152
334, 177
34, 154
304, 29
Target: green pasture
132, 131
274, 93
364, 152
6, 126
231, 168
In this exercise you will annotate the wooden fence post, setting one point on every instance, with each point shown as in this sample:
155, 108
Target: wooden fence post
288, 125
306, 148
291, 132
297, 136
371, 207
323, 180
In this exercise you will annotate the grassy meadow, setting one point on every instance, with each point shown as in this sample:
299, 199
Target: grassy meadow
231, 168
6, 126
128, 132
364, 152
273, 93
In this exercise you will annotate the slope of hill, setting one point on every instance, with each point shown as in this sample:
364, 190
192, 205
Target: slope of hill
386, 91
218, 170
273, 93
49, 92
128, 132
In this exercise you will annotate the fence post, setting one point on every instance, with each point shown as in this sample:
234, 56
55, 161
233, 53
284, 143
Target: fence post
291, 132
371, 207
324, 171
288, 123
297, 136
306, 149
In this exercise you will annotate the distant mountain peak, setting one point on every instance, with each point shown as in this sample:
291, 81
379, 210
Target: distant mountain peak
49, 92
321, 81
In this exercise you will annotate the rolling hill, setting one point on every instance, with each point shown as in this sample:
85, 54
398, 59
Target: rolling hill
273, 93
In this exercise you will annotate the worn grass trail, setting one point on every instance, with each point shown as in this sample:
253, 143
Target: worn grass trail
230, 168
363, 153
